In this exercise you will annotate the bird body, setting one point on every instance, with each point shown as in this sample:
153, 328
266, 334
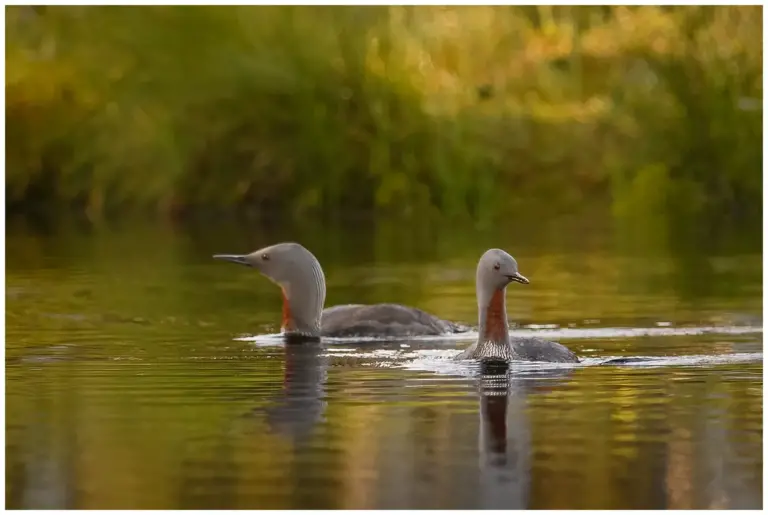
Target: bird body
300, 276
495, 271
383, 320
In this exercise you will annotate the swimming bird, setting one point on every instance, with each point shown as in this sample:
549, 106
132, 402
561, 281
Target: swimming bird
299, 275
495, 270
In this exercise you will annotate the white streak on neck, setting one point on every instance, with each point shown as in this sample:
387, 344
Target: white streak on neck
306, 296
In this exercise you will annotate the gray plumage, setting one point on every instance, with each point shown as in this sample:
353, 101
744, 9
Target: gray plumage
299, 274
495, 270
388, 320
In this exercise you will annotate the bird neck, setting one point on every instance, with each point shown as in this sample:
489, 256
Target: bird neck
493, 325
303, 300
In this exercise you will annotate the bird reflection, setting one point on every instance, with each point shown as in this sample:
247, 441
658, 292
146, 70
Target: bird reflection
300, 405
505, 433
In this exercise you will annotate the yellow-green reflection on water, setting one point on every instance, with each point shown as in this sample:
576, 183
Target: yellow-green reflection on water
126, 387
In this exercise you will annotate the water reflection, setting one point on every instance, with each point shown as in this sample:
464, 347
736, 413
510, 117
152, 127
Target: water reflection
300, 405
226, 478
505, 433
127, 385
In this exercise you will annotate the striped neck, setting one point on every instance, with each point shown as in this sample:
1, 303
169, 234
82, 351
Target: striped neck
493, 327
303, 300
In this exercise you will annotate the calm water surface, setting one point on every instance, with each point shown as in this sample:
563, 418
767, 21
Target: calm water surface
138, 376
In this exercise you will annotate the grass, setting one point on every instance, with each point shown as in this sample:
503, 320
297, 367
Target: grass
463, 111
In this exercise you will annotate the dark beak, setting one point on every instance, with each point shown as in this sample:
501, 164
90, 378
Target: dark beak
233, 258
519, 278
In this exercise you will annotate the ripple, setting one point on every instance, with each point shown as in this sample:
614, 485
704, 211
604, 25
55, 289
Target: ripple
634, 332
564, 333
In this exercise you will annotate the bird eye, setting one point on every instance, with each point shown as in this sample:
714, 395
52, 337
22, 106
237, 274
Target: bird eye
496, 266
265, 257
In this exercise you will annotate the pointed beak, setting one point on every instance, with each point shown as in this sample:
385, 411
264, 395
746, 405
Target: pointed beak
519, 278
233, 258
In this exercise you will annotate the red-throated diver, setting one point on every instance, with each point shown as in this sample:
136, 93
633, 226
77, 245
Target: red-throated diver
298, 273
495, 271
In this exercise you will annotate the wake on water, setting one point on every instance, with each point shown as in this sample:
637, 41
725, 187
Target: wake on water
566, 333
441, 360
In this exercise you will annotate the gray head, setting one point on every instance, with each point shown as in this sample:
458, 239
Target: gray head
495, 271
299, 275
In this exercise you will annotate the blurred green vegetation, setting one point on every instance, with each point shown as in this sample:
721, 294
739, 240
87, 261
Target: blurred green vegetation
465, 111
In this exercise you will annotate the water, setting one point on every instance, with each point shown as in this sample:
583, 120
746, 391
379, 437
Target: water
140, 373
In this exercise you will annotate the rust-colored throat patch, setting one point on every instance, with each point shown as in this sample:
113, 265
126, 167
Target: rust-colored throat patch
287, 323
495, 318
